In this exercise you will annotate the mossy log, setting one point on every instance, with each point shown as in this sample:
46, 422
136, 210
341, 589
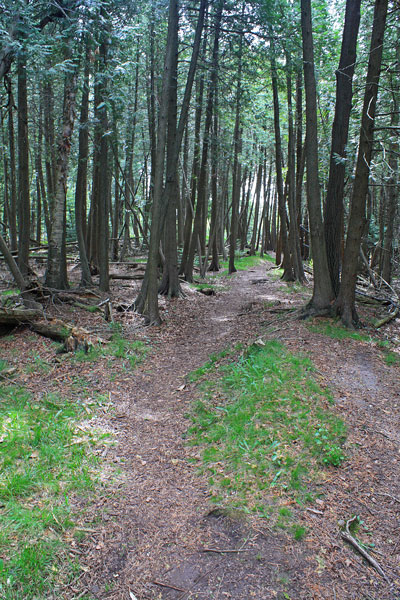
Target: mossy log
73, 338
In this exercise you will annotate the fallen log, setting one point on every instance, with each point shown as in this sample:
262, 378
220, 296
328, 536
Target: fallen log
127, 277
73, 338
19, 316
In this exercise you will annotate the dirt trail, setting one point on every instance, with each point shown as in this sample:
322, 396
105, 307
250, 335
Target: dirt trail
150, 531
154, 528
160, 521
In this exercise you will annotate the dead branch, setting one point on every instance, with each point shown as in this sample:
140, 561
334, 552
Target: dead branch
346, 535
127, 277
218, 551
167, 585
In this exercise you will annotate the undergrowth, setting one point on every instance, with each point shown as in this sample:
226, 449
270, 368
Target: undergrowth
243, 262
336, 331
263, 425
132, 353
45, 458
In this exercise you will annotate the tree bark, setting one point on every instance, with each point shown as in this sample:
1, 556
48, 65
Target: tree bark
284, 243
147, 301
340, 128
56, 273
81, 177
345, 303
23, 168
322, 292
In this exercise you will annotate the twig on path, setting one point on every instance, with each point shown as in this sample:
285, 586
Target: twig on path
388, 496
218, 551
346, 535
169, 586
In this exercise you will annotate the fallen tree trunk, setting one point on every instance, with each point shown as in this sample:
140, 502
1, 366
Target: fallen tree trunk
127, 277
74, 338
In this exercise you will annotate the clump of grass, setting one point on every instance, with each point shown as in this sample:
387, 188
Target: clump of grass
37, 364
210, 365
392, 358
336, 331
131, 352
44, 458
243, 262
203, 286
263, 425
299, 532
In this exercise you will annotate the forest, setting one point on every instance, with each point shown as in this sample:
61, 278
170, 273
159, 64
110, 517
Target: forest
199, 210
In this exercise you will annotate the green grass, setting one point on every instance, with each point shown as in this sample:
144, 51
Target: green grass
264, 425
391, 358
131, 353
203, 286
336, 331
242, 263
210, 366
44, 459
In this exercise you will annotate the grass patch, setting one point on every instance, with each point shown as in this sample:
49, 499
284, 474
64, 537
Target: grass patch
337, 332
132, 353
44, 459
263, 426
211, 364
203, 286
242, 263
391, 358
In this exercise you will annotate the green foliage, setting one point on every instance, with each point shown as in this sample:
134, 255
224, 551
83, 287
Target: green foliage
392, 358
334, 330
299, 532
210, 365
243, 262
132, 353
44, 458
263, 425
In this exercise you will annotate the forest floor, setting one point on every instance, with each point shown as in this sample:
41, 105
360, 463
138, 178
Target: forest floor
150, 530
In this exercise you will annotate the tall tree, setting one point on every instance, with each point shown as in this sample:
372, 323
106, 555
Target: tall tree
340, 129
322, 291
345, 303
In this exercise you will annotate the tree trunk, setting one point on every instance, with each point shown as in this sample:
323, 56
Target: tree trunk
147, 301
340, 128
294, 236
103, 231
284, 244
81, 178
56, 273
23, 169
202, 180
322, 292
236, 171
345, 303
256, 209
392, 183
12, 217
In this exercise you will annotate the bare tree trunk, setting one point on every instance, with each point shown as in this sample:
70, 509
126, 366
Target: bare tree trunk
294, 237
256, 209
340, 128
236, 171
392, 183
56, 273
104, 189
147, 301
322, 292
284, 244
12, 217
345, 303
23, 169
81, 178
